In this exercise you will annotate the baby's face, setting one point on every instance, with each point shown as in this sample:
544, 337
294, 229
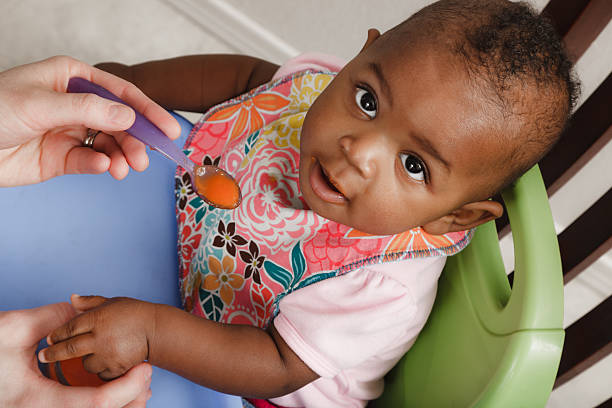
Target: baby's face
394, 142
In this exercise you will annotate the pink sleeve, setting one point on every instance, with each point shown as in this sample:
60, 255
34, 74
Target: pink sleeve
341, 322
311, 60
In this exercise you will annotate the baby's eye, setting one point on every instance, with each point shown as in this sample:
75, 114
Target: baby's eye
414, 166
366, 102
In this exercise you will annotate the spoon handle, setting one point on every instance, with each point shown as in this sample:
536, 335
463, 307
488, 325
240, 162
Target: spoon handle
142, 129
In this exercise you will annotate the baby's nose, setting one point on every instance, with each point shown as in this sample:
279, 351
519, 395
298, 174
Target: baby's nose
362, 152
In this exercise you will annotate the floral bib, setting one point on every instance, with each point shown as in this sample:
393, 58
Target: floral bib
236, 265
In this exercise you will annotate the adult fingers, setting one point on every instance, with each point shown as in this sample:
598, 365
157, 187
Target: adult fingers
81, 324
75, 347
115, 394
114, 153
152, 111
133, 149
119, 167
126, 389
31, 325
84, 160
124, 90
89, 110
141, 400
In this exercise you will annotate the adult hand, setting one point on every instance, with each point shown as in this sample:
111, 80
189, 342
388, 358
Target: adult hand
42, 127
111, 334
22, 384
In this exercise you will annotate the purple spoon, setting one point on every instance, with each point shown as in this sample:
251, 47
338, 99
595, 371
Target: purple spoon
145, 131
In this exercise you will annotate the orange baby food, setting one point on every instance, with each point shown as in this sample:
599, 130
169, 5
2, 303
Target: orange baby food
72, 372
219, 189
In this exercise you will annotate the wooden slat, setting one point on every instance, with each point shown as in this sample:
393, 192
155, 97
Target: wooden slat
587, 341
563, 13
585, 240
588, 125
606, 404
588, 261
593, 19
578, 22
585, 235
581, 162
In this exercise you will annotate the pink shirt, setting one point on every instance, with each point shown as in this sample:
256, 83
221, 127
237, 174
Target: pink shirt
352, 329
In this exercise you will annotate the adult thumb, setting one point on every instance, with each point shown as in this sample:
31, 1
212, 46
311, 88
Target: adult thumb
86, 109
114, 394
34, 324
125, 389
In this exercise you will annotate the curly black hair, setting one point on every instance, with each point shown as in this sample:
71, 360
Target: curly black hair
516, 57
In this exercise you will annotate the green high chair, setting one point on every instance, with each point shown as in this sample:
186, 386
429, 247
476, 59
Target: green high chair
486, 345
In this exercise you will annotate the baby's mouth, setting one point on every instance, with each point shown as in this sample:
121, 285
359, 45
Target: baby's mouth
324, 186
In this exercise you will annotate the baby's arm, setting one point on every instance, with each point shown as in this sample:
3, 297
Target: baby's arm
116, 334
196, 82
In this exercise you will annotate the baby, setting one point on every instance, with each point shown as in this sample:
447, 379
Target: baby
357, 182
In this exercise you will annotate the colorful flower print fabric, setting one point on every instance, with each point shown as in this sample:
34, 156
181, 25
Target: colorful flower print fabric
236, 265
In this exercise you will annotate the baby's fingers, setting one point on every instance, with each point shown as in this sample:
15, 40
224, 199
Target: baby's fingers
75, 347
105, 369
83, 323
94, 364
110, 374
84, 303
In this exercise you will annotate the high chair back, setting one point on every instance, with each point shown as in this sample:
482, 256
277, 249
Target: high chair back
485, 344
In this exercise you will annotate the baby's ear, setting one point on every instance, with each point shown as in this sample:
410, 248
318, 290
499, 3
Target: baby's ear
468, 216
373, 34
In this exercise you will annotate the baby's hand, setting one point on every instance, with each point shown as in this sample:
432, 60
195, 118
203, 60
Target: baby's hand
112, 334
